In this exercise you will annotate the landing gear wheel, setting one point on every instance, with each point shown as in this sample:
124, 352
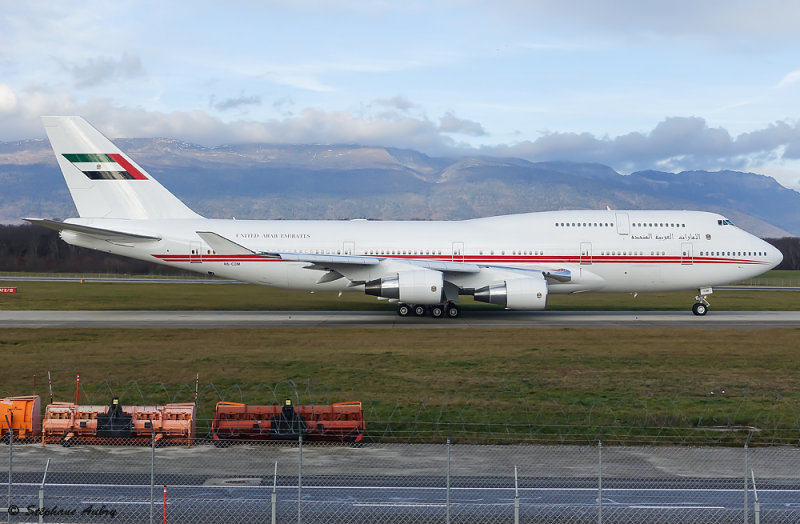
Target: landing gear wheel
453, 311
419, 310
437, 311
403, 310
699, 309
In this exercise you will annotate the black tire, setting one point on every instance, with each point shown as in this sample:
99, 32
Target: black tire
403, 310
699, 309
420, 310
453, 311
437, 311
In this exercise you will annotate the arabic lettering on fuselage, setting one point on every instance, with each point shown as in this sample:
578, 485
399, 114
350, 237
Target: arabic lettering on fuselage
670, 236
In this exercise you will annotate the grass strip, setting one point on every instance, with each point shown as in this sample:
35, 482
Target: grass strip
470, 385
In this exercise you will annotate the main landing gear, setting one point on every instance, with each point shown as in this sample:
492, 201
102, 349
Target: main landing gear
449, 310
701, 305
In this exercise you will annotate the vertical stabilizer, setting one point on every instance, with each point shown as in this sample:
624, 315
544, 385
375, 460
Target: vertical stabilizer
103, 181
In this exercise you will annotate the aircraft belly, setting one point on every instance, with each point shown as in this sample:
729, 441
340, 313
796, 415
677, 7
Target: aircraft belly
645, 276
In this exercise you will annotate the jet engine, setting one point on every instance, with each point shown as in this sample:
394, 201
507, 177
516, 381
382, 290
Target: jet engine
423, 286
517, 293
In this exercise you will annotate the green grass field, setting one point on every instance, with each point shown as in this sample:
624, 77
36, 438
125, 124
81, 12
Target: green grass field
240, 297
470, 385
466, 384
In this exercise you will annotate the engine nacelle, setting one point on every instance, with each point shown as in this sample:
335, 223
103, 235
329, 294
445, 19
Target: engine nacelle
517, 293
423, 286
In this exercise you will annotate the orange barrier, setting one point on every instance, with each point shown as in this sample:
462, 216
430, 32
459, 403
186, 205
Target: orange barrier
343, 421
64, 422
24, 415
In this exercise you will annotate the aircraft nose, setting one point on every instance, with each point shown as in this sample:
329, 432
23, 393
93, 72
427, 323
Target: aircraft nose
774, 256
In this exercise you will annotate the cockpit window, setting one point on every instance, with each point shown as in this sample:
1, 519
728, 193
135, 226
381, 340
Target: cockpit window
724, 222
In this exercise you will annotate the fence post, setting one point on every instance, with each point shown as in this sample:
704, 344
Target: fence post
757, 506
600, 482
746, 517
274, 492
448, 483
299, 478
41, 492
10, 467
516, 496
152, 474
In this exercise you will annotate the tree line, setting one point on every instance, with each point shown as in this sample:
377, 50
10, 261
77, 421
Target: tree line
28, 248
35, 249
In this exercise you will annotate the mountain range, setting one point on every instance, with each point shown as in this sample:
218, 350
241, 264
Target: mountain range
352, 181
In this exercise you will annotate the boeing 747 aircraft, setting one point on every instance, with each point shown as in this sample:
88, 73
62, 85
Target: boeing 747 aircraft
514, 261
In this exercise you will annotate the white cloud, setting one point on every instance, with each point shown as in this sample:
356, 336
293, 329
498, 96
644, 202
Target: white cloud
452, 124
788, 80
103, 69
675, 143
8, 100
235, 103
397, 102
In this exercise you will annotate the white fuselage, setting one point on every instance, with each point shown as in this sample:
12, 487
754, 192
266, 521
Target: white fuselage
605, 251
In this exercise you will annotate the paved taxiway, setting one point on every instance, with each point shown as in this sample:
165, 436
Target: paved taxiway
381, 319
400, 482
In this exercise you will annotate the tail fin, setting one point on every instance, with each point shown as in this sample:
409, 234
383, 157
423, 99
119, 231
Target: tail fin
103, 181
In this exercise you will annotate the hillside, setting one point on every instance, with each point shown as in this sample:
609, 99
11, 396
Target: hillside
349, 181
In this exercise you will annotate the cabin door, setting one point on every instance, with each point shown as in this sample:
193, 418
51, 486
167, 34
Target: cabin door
586, 253
195, 252
687, 257
458, 251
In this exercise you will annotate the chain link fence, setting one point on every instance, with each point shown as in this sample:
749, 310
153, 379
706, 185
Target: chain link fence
379, 481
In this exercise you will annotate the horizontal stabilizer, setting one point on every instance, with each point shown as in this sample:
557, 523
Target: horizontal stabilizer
106, 234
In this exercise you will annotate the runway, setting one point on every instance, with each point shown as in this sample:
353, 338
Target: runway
381, 319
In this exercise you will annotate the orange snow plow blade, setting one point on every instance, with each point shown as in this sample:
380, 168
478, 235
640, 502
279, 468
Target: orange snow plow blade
23, 414
66, 423
343, 422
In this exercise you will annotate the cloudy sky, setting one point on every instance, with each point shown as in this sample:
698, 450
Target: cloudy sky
636, 85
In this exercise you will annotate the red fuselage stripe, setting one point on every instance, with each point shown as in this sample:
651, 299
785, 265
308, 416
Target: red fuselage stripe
489, 260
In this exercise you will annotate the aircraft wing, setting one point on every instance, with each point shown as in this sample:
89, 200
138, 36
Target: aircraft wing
359, 270
99, 232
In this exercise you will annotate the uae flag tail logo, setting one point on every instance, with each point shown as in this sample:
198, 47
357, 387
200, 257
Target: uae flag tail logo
105, 167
